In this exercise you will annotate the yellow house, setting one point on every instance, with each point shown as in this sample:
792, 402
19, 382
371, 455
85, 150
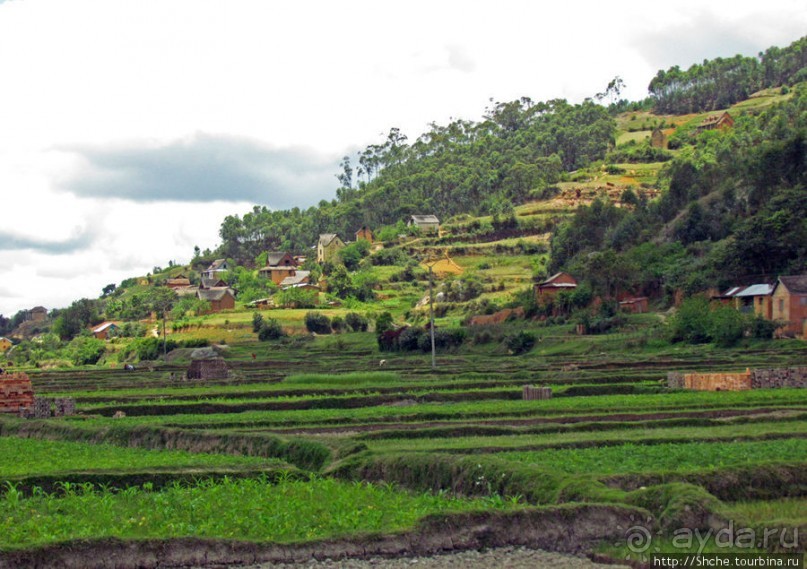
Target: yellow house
327, 247
5, 344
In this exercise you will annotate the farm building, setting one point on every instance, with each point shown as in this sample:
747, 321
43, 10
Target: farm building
5, 344
220, 298
717, 121
277, 274
327, 247
754, 299
104, 330
789, 304
427, 224
297, 279
554, 284
37, 314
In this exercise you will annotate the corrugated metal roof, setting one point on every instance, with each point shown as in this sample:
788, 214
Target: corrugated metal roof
756, 290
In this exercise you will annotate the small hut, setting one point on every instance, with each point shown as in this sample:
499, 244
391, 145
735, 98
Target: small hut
211, 368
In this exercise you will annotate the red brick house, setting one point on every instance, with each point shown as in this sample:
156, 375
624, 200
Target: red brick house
714, 122
554, 284
104, 330
789, 304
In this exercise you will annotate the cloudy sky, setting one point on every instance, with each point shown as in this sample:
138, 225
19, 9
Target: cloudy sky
130, 129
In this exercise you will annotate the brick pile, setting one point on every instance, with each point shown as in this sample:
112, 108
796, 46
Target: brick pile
530, 393
718, 381
16, 392
64, 407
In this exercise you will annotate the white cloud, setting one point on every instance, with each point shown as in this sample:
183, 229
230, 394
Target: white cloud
130, 129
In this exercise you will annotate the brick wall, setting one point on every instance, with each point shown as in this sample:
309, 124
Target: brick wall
783, 377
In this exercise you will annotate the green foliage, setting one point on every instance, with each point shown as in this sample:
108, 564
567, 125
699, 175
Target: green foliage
188, 306
72, 320
85, 350
356, 322
337, 324
520, 343
270, 329
383, 322
691, 322
317, 322
257, 322
726, 326
352, 254
297, 298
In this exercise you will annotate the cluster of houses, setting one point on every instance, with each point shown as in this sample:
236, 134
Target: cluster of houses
783, 301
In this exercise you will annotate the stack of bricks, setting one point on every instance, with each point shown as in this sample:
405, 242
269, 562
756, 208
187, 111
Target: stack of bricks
531, 393
16, 392
718, 381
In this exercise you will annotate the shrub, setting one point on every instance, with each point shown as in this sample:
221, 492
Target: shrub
726, 326
257, 322
317, 323
520, 343
383, 322
337, 324
270, 330
356, 322
761, 328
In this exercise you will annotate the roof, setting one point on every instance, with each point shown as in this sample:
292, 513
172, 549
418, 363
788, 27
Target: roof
551, 281
215, 265
295, 279
208, 282
425, 219
274, 257
39, 309
186, 290
216, 293
103, 326
795, 284
179, 281
714, 119
754, 290
326, 238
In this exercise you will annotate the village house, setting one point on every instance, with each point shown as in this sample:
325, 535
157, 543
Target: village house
634, 305
220, 298
217, 266
364, 233
427, 224
789, 304
278, 267
104, 330
37, 314
327, 247
754, 299
554, 284
296, 280
5, 344
715, 122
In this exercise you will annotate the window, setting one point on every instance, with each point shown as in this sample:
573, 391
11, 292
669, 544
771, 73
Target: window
803, 300
781, 305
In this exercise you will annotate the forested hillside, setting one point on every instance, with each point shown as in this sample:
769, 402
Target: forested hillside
734, 210
518, 150
719, 83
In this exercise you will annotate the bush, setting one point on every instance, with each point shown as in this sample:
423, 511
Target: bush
85, 350
691, 323
762, 329
520, 343
337, 324
356, 322
317, 323
270, 330
257, 322
726, 326
383, 322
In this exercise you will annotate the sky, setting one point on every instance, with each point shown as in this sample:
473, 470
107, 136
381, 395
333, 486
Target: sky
130, 129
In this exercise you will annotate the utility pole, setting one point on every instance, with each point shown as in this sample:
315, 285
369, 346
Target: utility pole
431, 313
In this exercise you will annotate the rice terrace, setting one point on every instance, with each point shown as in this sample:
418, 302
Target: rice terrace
567, 335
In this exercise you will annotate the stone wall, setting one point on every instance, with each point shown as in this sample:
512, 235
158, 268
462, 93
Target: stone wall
782, 377
766, 378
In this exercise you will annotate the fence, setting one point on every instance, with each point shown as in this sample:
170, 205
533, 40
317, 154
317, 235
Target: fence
531, 393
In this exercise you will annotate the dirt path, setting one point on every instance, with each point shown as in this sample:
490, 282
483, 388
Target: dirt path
504, 557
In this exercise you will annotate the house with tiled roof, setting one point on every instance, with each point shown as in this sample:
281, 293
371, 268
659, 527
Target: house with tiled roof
220, 298
716, 121
217, 266
789, 304
427, 224
278, 267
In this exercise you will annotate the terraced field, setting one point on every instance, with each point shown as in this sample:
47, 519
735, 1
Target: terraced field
363, 461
